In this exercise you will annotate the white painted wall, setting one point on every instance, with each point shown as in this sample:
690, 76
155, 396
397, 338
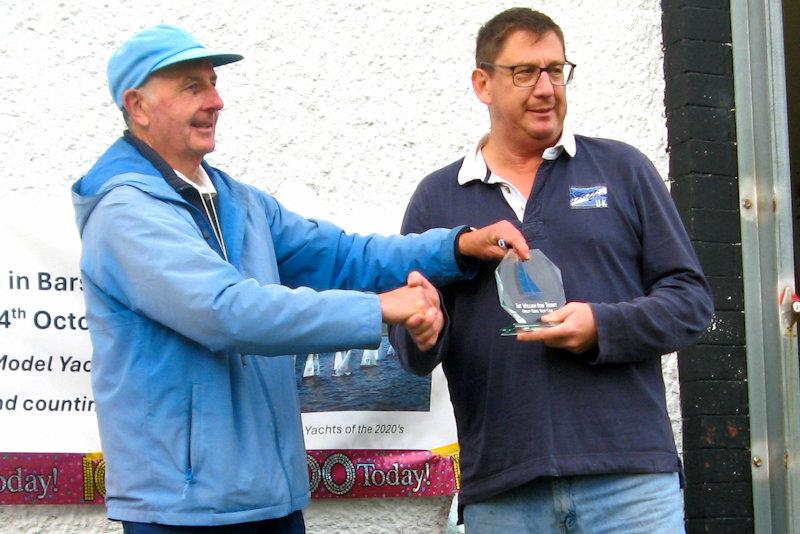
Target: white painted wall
340, 107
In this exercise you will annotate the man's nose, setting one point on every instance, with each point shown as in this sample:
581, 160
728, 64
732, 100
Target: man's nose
543, 85
213, 100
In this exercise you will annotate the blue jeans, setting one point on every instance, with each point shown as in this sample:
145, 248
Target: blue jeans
291, 524
602, 504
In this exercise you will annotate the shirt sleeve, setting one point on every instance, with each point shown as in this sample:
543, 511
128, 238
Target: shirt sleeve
677, 305
417, 220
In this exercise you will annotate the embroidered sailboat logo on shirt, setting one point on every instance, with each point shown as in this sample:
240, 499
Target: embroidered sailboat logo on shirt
595, 196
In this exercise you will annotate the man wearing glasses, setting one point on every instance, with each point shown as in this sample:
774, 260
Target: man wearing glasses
564, 428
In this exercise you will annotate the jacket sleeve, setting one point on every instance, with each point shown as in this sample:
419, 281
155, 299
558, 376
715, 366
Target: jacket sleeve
320, 255
677, 305
148, 257
417, 220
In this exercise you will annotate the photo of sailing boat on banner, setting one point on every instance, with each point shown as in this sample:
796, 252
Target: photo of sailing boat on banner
359, 380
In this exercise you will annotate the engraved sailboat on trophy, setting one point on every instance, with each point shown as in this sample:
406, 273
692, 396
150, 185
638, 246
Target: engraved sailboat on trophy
528, 290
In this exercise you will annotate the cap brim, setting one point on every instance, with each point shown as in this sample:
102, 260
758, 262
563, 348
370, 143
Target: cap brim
216, 57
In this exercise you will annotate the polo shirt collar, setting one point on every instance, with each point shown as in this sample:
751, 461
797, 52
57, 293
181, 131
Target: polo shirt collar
474, 166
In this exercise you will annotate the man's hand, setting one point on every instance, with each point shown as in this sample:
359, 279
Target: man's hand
576, 331
425, 329
491, 242
417, 307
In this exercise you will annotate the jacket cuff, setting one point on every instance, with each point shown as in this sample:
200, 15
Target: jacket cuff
466, 264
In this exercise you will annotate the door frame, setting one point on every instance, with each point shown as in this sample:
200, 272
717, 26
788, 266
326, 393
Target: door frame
767, 262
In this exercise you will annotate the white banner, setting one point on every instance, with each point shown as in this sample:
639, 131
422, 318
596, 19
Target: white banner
45, 356
351, 400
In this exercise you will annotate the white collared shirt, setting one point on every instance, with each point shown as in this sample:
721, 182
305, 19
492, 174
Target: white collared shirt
204, 187
207, 193
474, 168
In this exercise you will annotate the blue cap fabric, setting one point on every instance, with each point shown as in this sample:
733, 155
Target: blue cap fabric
152, 50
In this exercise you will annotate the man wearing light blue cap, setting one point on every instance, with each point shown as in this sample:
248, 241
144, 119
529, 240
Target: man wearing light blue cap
156, 49
197, 287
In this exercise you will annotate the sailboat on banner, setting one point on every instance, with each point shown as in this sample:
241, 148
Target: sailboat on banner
369, 358
312, 366
384, 348
341, 363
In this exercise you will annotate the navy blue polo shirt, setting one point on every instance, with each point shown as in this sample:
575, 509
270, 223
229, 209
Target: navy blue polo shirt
523, 410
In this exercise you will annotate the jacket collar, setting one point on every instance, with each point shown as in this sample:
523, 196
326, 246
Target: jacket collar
126, 162
182, 188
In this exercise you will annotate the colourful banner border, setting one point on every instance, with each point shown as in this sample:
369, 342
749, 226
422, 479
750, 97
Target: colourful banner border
57, 478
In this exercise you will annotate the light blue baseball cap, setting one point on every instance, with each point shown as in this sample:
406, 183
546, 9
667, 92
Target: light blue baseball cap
154, 49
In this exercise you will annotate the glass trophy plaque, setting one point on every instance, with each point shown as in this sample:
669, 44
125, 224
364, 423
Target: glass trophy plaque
528, 290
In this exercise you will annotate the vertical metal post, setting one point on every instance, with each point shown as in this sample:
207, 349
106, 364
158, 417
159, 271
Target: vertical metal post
767, 261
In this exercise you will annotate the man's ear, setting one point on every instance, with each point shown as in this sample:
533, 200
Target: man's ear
136, 107
481, 84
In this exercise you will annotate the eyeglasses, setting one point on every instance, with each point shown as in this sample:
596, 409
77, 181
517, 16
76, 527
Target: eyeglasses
528, 75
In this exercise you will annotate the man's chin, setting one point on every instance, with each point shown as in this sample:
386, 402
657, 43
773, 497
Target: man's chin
205, 147
548, 135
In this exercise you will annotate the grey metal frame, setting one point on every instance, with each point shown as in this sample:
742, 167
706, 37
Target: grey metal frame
768, 262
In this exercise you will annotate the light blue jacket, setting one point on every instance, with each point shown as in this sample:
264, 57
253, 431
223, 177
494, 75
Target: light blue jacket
195, 428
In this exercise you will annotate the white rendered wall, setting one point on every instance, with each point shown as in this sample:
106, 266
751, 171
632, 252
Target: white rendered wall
339, 108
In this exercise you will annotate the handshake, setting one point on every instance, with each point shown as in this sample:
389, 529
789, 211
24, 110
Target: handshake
417, 306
